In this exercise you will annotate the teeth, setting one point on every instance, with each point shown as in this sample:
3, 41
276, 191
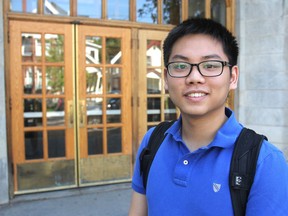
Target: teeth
196, 95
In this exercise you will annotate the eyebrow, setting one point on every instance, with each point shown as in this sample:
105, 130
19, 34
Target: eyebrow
184, 58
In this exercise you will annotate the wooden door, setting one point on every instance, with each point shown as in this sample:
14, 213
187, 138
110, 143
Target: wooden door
154, 104
69, 126
104, 80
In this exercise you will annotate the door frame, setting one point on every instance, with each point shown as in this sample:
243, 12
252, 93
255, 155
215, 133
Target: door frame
72, 109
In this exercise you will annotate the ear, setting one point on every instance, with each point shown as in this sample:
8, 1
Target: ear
165, 79
234, 77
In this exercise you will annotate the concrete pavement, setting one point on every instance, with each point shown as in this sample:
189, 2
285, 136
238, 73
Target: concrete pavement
109, 200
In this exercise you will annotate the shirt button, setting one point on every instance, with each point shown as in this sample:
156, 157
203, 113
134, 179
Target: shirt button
185, 162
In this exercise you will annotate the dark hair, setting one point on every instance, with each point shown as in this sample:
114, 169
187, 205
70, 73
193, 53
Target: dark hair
207, 27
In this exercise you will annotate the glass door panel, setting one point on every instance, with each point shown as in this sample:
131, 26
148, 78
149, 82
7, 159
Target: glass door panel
41, 88
156, 105
105, 92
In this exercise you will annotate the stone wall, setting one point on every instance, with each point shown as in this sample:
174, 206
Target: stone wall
262, 31
4, 183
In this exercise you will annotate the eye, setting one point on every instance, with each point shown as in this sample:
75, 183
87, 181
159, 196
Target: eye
180, 66
211, 65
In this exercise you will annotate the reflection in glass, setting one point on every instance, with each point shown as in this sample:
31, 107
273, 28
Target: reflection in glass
169, 110
171, 11
32, 112
218, 11
90, 8
55, 80
54, 48
154, 62
94, 111
31, 48
57, 7
153, 109
93, 50
154, 82
114, 140
55, 111
118, 10
147, 11
196, 8
29, 6
154, 53
94, 80
113, 80
113, 110
32, 80
113, 51
56, 143
95, 141
33, 145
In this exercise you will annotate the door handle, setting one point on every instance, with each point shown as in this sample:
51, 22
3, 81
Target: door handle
82, 113
70, 114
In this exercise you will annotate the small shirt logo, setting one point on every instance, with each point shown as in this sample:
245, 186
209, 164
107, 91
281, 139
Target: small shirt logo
216, 187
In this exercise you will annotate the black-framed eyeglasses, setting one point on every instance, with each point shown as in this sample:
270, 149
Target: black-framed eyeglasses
211, 68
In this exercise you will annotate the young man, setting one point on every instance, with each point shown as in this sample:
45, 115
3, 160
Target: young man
201, 68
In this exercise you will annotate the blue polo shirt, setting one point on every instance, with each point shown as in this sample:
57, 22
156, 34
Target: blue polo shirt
182, 182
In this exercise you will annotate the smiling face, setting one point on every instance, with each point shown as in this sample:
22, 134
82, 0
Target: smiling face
195, 95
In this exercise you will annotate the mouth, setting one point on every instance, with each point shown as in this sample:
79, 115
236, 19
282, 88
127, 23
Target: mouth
196, 94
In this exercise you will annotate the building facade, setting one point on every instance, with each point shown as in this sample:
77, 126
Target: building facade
82, 82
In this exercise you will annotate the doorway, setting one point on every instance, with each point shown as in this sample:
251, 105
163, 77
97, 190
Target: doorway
70, 105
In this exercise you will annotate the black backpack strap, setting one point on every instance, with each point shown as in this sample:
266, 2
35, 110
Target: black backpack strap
147, 155
243, 168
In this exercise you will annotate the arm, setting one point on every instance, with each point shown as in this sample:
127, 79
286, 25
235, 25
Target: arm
138, 205
269, 192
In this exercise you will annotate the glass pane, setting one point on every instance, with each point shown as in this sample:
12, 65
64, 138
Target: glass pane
153, 109
56, 143
95, 141
90, 8
169, 110
55, 80
113, 51
93, 50
32, 112
28, 6
57, 7
154, 70
196, 8
55, 111
54, 48
171, 11
118, 10
94, 110
32, 79
33, 145
147, 11
31, 48
113, 80
154, 53
218, 11
94, 80
154, 82
113, 110
114, 140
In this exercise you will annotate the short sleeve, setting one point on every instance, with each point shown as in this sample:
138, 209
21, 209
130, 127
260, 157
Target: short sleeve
269, 192
137, 181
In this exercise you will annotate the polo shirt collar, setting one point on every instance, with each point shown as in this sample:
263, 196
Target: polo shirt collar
224, 138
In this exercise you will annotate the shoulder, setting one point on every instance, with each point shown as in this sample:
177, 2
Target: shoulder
270, 152
269, 192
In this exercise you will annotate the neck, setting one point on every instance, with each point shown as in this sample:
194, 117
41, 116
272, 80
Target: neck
200, 131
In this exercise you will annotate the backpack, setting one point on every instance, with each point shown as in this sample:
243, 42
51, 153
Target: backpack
242, 167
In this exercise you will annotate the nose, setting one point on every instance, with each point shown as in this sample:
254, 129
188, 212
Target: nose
195, 76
